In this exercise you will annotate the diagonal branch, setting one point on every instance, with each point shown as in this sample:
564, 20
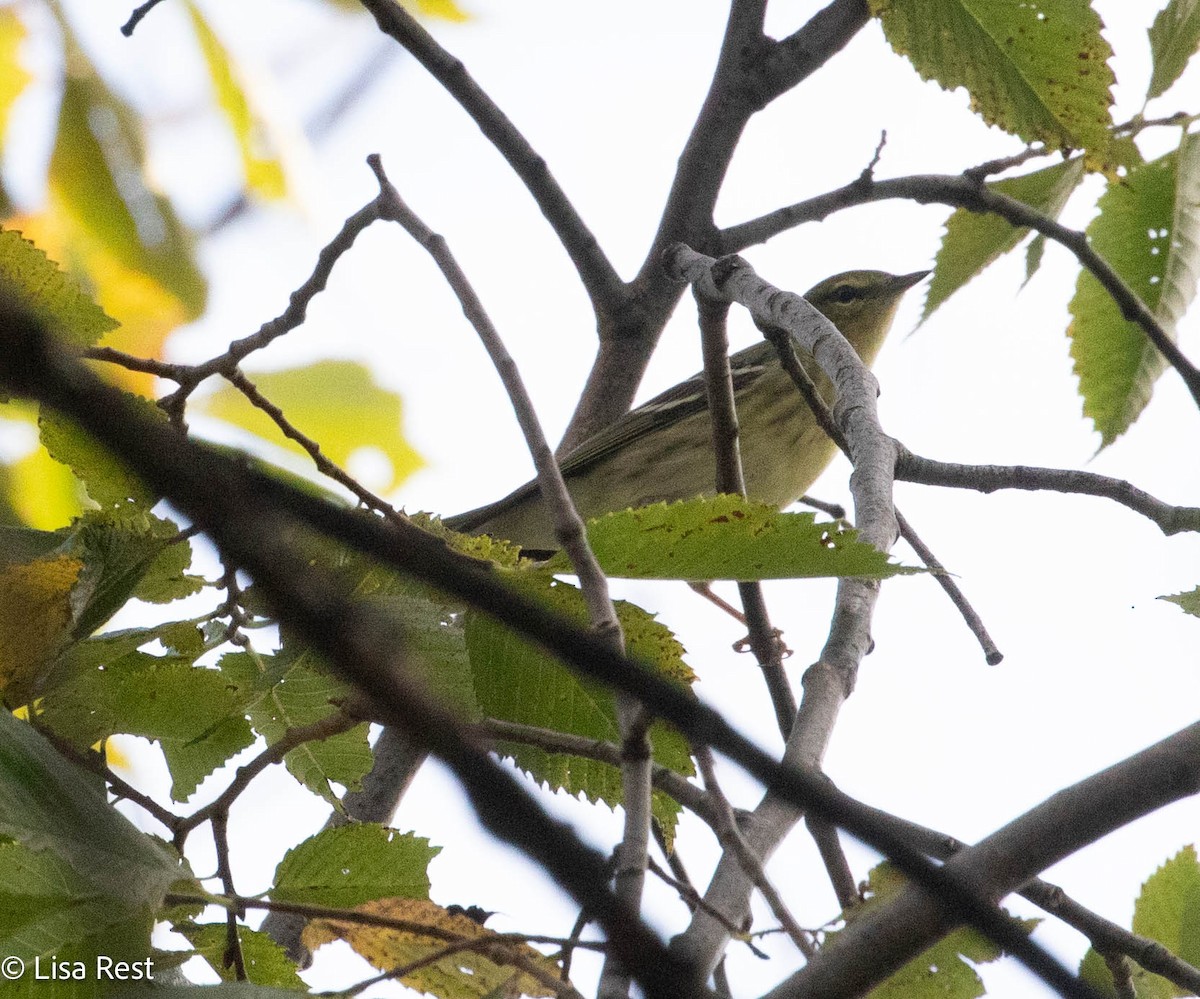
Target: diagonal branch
599, 278
989, 478
973, 195
752, 70
872, 947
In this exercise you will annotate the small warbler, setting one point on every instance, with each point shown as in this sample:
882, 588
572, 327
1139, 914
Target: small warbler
662, 450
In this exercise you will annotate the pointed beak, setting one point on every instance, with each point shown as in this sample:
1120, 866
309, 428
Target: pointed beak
906, 281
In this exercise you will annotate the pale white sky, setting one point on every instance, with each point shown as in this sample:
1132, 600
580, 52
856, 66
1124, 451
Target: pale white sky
1096, 667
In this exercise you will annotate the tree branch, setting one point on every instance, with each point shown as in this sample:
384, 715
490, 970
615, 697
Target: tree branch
881, 941
752, 70
973, 195
718, 381
989, 478
599, 278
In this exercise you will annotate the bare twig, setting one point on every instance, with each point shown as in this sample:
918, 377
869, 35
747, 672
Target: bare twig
323, 728
989, 478
94, 763
764, 640
678, 787
992, 655
966, 192
833, 857
145, 365
285, 322
233, 956
733, 842
569, 532
136, 16
325, 466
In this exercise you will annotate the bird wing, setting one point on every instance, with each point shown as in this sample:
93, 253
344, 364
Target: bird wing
672, 406
676, 403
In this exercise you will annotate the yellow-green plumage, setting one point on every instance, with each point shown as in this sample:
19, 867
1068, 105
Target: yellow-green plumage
662, 450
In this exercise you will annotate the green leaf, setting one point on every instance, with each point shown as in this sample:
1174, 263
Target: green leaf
266, 963
349, 865
1168, 911
191, 711
226, 990
47, 804
518, 682
1168, 908
1148, 229
44, 904
48, 293
127, 552
726, 537
1174, 38
1038, 71
1189, 601
98, 182
292, 691
973, 240
263, 170
107, 479
336, 403
940, 971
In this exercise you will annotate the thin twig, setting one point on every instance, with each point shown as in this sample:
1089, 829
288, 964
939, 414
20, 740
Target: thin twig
324, 728
286, 321
145, 365
718, 380
966, 192
570, 533
989, 478
237, 378
136, 16
834, 510
233, 956
991, 655
825, 835
804, 384
693, 798
94, 763
733, 841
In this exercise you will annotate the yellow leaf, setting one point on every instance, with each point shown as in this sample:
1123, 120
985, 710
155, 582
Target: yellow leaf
336, 403
464, 974
262, 167
35, 621
44, 493
13, 76
445, 10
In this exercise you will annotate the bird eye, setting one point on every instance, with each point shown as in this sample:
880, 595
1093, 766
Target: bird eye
846, 293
